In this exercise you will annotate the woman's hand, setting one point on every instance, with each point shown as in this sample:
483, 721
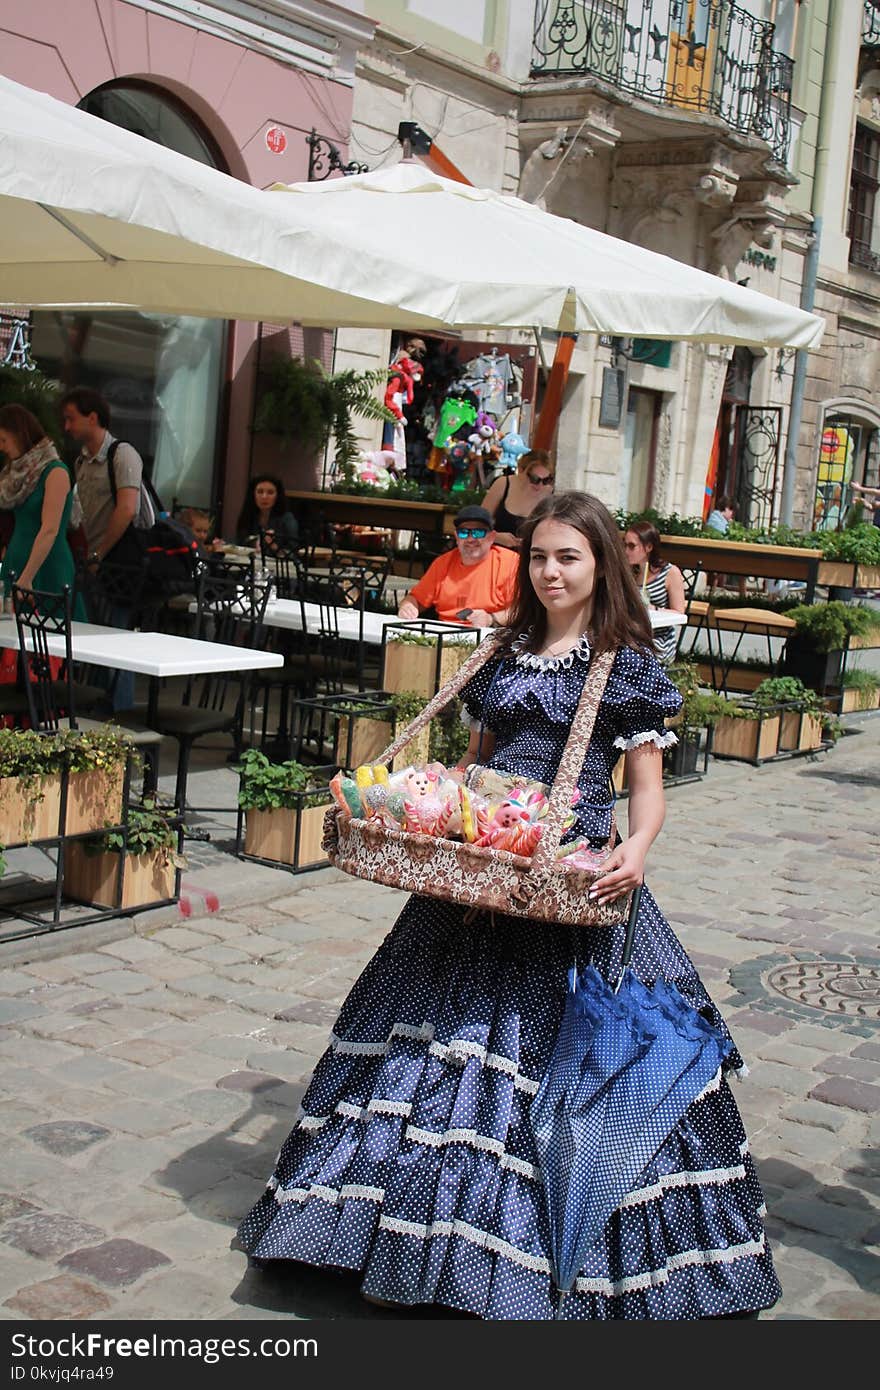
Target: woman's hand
625, 870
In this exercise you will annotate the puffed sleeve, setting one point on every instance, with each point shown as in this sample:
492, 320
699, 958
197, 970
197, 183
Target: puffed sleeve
473, 695
639, 698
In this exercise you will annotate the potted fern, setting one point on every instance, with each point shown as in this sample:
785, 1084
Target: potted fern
814, 652
144, 855
302, 402
284, 806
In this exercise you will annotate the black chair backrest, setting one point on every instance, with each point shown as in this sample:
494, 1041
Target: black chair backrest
363, 582
230, 611
111, 588
39, 615
322, 645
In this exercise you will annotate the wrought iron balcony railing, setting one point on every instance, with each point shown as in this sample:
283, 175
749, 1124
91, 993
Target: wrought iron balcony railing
871, 24
700, 55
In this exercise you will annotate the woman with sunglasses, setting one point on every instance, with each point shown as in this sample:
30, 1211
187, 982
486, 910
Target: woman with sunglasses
511, 500
661, 584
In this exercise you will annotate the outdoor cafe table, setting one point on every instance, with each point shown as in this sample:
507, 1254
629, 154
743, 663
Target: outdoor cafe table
153, 654
288, 613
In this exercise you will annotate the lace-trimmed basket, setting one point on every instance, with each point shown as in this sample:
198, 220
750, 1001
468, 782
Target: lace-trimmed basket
477, 877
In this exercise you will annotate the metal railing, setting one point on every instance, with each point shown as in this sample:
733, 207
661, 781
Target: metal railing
706, 56
871, 24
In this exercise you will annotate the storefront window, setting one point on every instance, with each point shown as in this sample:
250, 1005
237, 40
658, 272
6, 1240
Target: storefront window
162, 375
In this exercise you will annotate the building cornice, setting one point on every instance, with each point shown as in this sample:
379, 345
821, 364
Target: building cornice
316, 35
452, 61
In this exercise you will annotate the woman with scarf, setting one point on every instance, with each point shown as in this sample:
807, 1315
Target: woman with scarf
35, 487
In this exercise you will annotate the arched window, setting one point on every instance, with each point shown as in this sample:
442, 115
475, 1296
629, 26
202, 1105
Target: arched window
162, 375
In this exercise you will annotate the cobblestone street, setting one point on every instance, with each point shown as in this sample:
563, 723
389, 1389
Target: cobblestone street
151, 1066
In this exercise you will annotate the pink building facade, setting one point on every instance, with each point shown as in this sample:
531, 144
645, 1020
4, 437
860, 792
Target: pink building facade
243, 85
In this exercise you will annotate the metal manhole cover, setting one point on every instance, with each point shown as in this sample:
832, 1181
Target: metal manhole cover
837, 987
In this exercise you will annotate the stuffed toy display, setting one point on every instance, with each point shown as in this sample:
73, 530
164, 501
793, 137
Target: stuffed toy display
513, 446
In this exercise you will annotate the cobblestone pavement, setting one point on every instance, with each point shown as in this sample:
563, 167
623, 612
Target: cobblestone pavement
151, 1066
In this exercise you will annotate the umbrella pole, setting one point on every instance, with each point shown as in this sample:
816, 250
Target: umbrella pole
628, 940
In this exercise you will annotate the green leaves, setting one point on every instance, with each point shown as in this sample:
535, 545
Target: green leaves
305, 404
826, 626
24, 753
152, 828
265, 786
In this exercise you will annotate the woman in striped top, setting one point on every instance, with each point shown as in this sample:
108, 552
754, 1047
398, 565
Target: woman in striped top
663, 584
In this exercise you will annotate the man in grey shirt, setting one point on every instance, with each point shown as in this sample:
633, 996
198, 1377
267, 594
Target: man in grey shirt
106, 519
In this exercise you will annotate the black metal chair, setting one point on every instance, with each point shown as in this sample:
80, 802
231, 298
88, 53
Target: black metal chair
318, 659
51, 698
231, 612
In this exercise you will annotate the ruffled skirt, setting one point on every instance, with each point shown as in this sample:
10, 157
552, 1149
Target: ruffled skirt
412, 1159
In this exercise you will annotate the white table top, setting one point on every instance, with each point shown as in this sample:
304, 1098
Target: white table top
157, 654
286, 613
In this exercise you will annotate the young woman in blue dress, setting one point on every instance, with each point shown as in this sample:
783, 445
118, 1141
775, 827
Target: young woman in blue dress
412, 1159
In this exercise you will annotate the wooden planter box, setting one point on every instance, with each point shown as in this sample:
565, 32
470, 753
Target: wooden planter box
740, 678
859, 700
867, 577
146, 878
798, 732
29, 808
94, 799
837, 574
865, 641
287, 836
412, 666
682, 759
753, 740
370, 737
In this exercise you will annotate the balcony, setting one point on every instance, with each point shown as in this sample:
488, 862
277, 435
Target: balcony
707, 57
871, 24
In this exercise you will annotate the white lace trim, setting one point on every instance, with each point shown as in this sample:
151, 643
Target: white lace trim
714, 1085
666, 740
456, 1052
539, 1265
709, 1178
579, 652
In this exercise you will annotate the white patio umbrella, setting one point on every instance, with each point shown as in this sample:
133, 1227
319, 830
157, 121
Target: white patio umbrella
93, 216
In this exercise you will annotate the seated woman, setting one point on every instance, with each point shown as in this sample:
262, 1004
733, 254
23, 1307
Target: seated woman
265, 509
662, 584
35, 485
511, 500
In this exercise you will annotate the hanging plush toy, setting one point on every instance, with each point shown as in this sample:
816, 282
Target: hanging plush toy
377, 467
513, 446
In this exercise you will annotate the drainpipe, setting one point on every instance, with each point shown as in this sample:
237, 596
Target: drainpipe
811, 266
796, 409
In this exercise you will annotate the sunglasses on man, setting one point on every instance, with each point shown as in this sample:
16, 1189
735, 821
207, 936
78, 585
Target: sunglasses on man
471, 533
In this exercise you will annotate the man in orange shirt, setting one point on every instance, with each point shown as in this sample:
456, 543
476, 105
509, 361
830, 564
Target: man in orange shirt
477, 579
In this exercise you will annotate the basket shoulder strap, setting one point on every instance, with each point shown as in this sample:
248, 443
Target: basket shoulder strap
572, 760
487, 648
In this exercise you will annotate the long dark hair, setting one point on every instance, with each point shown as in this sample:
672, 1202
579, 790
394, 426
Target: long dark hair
620, 618
248, 519
18, 420
650, 538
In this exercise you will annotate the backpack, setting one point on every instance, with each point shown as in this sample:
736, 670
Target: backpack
168, 547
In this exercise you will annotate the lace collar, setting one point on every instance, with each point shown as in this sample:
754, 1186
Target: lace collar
580, 652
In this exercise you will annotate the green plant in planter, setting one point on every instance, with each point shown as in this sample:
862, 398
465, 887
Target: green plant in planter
152, 829
857, 679
700, 709
302, 401
826, 626
267, 786
791, 691
859, 544
426, 639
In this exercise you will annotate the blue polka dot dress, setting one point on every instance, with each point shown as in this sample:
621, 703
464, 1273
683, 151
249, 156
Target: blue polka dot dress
412, 1160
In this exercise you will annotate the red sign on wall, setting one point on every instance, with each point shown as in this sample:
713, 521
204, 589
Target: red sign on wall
276, 140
